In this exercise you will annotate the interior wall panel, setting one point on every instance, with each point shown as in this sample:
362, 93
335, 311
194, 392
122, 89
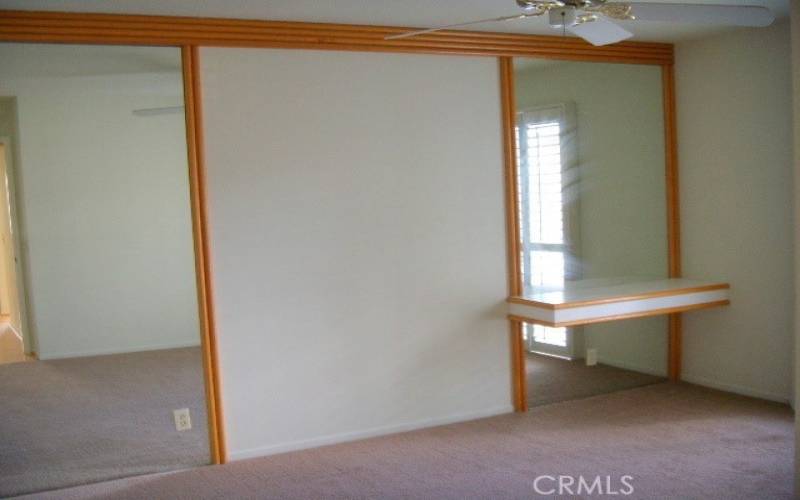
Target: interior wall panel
735, 128
357, 240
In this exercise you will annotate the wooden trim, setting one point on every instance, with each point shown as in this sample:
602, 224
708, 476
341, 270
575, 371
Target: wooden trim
508, 106
621, 298
197, 187
675, 328
672, 311
671, 160
519, 380
63, 27
675, 346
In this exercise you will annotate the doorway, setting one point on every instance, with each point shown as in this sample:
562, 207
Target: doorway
13, 347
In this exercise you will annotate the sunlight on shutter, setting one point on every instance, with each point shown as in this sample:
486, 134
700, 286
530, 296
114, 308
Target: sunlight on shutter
542, 213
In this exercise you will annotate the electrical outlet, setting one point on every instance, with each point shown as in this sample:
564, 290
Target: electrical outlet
591, 357
183, 421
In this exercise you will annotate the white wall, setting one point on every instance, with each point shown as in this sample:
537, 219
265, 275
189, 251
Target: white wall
104, 204
620, 132
734, 126
358, 246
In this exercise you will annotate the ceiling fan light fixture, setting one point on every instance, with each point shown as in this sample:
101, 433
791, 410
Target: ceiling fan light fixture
618, 11
542, 5
527, 5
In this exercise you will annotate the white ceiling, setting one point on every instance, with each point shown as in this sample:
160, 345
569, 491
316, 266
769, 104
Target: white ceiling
415, 13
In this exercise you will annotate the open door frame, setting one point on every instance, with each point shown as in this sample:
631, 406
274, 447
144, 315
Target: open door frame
28, 337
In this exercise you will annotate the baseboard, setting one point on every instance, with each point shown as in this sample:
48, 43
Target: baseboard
632, 367
103, 352
736, 389
557, 356
367, 433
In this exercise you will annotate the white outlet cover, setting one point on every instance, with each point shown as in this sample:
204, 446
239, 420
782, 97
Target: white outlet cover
183, 420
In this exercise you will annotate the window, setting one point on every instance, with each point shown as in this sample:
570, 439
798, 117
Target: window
544, 155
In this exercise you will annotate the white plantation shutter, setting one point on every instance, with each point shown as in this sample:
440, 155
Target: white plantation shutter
543, 158
544, 138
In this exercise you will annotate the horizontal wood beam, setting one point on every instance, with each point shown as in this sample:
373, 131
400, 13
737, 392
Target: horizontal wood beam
63, 27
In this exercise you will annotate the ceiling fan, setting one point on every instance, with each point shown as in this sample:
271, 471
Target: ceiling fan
590, 19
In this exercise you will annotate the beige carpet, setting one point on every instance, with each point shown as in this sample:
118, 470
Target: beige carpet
677, 441
551, 379
80, 420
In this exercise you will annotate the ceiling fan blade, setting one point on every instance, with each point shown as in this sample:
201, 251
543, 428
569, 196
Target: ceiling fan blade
734, 15
599, 31
460, 25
